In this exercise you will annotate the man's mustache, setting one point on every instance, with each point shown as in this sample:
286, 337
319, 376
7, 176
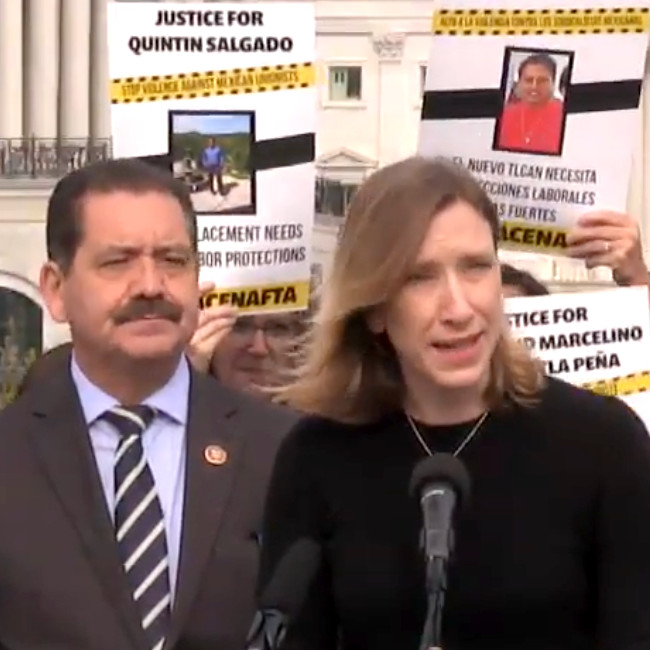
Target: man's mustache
140, 308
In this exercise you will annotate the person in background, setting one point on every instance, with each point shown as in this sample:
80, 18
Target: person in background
534, 122
212, 161
517, 283
411, 356
253, 353
259, 351
249, 353
132, 485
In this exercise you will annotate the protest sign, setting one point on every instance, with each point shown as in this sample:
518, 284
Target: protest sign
227, 91
599, 340
540, 102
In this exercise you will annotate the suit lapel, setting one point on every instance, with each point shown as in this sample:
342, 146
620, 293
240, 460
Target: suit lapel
62, 445
212, 425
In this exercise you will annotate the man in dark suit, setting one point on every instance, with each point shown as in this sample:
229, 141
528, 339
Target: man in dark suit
131, 487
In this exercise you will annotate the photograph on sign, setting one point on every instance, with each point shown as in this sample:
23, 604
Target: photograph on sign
226, 94
599, 340
546, 118
534, 86
211, 153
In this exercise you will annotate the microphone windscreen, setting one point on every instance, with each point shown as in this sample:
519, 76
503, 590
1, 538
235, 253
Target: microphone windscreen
441, 468
288, 587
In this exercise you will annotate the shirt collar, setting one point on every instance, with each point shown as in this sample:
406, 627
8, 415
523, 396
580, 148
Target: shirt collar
171, 399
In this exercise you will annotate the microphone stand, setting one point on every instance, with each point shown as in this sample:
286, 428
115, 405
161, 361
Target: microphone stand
436, 589
268, 630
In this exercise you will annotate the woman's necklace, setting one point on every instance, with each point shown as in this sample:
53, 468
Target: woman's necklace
468, 438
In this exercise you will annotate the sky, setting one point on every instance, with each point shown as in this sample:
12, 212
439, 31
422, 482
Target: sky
212, 124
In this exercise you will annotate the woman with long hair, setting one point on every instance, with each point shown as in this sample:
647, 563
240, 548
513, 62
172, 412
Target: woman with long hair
411, 356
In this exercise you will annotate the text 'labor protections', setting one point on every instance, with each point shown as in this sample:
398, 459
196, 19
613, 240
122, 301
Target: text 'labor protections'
225, 94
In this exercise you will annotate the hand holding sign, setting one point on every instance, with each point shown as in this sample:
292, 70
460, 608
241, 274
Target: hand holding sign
214, 325
610, 239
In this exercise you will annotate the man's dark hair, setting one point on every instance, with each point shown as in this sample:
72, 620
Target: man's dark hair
522, 280
539, 58
64, 228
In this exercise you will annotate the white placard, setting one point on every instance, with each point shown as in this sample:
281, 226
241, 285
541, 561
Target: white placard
227, 90
597, 339
540, 101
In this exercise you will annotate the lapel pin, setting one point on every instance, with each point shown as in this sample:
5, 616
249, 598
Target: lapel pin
215, 455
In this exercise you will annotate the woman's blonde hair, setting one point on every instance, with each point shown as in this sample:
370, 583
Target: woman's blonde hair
350, 374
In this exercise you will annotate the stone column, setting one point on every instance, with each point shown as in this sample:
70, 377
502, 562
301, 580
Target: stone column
389, 48
41, 81
11, 65
100, 115
74, 88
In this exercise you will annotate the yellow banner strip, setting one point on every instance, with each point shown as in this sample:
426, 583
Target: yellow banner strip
270, 297
525, 236
638, 382
212, 83
501, 22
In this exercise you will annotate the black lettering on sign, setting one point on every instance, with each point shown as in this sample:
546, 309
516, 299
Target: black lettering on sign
532, 237
570, 315
210, 259
598, 361
556, 367
522, 170
531, 213
280, 296
486, 166
565, 175
596, 337
283, 231
240, 234
561, 195
529, 318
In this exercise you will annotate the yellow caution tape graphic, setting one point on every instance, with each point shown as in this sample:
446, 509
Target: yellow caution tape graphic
269, 297
193, 85
638, 382
511, 22
524, 236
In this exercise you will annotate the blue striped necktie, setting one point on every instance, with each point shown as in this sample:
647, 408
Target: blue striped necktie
139, 523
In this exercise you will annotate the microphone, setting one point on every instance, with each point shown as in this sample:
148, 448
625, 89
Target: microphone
442, 484
284, 595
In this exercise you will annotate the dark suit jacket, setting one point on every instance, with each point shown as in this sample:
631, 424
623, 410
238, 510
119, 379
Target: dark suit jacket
61, 582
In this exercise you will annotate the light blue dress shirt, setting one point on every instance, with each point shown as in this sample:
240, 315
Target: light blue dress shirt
163, 443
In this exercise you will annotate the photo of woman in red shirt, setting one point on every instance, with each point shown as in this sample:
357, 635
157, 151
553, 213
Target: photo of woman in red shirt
532, 117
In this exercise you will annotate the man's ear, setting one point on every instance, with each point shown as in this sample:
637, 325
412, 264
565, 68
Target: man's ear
376, 321
51, 283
